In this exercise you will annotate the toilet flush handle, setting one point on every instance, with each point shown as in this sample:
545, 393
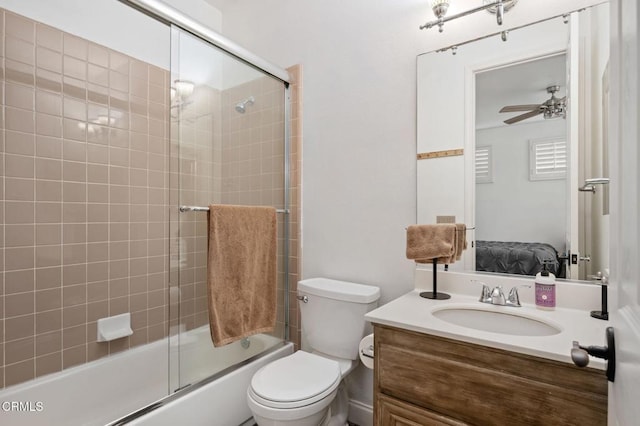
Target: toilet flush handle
304, 299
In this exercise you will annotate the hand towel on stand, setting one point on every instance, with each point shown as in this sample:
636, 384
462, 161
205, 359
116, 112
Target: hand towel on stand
428, 242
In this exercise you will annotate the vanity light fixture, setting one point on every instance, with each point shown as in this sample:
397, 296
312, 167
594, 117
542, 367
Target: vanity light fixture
493, 9
440, 7
503, 34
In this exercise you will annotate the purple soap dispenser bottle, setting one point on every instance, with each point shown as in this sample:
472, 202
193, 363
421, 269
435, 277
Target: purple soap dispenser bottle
545, 284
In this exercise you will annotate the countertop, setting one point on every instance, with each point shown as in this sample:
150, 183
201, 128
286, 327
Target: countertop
412, 312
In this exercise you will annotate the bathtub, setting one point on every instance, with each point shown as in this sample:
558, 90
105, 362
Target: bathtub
104, 391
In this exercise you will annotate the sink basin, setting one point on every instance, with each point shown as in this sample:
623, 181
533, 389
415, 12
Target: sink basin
496, 322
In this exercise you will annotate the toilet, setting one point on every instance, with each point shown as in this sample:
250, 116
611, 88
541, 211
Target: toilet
305, 388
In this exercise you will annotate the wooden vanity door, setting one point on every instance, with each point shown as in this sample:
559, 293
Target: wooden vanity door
420, 379
393, 412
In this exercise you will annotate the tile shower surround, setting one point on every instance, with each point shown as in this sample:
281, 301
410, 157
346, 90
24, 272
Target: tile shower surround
84, 202
84, 199
247, 169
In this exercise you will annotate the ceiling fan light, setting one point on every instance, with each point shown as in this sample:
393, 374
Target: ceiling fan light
555, 111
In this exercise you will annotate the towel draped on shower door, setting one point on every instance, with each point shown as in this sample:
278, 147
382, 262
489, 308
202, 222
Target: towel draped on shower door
241, 271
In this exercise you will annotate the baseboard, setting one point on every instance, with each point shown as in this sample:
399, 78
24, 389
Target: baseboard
360, 413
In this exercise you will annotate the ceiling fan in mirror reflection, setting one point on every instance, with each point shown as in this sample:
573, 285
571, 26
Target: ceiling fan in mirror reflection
551, 108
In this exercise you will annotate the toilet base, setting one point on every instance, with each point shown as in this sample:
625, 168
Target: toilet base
318, 419
334, 415
339, 407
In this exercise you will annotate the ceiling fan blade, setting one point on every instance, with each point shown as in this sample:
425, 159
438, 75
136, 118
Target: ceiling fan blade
515, 108
523, 116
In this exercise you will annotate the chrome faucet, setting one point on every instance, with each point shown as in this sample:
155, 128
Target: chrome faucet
485, 296
514, 297
497, 297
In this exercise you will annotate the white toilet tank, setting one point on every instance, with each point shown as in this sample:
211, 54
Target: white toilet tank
333, 315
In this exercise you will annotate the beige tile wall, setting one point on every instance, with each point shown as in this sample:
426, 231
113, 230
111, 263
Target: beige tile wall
249, 169
196, 140
295, 191
85, 169
84, 226
84, 217
253, 157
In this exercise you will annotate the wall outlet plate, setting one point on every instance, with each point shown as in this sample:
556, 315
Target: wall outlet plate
445, 219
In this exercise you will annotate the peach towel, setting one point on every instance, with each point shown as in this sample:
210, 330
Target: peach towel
241, 271
461, 239
428, 242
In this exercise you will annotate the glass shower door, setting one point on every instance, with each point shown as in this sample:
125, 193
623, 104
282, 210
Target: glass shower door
227, 147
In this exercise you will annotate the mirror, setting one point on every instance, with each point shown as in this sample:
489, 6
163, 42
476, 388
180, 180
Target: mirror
493, 176
521, 168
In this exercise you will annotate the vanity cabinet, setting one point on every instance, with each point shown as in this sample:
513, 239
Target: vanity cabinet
422, 379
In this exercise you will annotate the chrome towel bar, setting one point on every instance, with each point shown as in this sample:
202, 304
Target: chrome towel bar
206, 209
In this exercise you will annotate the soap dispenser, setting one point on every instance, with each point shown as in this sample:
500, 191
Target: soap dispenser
545, 283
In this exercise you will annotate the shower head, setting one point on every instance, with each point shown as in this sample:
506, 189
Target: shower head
241, 106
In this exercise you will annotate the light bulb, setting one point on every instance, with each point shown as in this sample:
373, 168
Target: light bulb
439, 7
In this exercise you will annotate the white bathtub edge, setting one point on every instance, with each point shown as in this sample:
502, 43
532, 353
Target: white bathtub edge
222, 401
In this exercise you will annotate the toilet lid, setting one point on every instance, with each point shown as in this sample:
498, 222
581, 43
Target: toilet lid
298, 377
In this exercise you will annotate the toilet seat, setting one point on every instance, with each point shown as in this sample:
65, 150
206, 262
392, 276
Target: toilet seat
298, 380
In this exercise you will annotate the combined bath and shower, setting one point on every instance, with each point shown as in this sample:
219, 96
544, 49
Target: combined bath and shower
241, 106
